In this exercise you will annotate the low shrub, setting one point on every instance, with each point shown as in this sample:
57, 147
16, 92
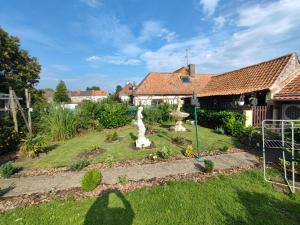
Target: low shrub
108, 160
220, 130
164, 153
224, 149
209, 165
123, 179
91, 180
7, 169
112, 137
32, 145
79, 165
157, 114
188, 151
152, 156
177, 138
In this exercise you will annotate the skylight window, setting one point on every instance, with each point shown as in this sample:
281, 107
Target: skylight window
185, 79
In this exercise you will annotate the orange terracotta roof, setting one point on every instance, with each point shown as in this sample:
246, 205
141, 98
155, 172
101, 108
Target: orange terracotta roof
100, 93
157, 83
88, 93
291, 91
126, 90
252, 78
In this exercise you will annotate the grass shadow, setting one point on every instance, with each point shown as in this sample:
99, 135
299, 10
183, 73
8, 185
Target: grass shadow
100, 212
6, 190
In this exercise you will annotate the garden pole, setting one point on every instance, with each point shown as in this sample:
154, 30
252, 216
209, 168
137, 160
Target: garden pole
198, 157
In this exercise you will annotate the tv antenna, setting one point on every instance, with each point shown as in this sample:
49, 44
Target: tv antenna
187, 56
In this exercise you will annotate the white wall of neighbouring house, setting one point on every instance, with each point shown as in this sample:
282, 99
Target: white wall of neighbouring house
156, 99
78, 99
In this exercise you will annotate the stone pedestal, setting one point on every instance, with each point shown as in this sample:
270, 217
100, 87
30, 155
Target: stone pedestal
178, 127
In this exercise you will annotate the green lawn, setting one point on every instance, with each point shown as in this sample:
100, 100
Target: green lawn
238, 199
66, 153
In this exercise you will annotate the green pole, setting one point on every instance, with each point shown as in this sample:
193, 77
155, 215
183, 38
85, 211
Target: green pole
198, 157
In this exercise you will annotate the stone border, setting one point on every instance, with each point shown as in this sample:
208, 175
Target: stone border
21, 201
118, 164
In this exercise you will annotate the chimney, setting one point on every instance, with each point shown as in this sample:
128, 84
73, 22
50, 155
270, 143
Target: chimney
191, 69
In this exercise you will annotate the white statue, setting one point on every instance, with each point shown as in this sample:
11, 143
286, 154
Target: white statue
142, 141
179, 116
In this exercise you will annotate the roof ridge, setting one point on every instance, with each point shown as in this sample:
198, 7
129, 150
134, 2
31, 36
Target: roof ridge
256, 64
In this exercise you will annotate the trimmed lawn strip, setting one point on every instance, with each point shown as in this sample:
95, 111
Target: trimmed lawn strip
238, 199
65, 153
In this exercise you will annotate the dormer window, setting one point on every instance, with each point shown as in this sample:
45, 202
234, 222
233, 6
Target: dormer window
185, 79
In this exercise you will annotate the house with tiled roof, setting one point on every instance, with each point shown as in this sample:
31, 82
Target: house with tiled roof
126, 94
95, 95
268, 86
169, 86
255, 85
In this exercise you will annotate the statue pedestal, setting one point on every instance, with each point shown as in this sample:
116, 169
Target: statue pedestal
142, 143
178, 127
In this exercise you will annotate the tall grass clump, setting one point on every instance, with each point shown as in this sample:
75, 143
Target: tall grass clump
59, 123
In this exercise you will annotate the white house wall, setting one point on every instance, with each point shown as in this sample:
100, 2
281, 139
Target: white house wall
147, 99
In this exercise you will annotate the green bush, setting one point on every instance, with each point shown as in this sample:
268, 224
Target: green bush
123, 179
6, 170
164, 153
209, 166
224, 149
9, 139
91, 180
232, 122
113, 114
188, 151
108, 160
220, 130
79, 165
157, 114
32, 145
87, 115
59, 123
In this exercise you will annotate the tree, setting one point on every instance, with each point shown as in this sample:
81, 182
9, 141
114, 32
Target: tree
18, 69
61, 93
118, 89
93, 88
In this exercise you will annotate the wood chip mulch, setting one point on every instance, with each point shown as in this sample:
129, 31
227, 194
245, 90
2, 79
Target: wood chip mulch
78, 194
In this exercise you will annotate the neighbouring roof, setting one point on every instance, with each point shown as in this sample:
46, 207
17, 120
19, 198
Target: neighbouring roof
88, 93
126, 90
252, 78
290, 91
157, 83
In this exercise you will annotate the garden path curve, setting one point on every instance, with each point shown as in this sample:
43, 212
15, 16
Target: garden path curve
39, 184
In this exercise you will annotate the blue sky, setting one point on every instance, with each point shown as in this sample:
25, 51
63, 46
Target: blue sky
110, 42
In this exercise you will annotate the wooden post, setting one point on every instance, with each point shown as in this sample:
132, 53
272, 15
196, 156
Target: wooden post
12, 108
21, 110
28, 101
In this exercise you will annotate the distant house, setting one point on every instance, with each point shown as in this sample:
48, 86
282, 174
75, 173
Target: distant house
168, 87
126, 94
78, 96
96, 96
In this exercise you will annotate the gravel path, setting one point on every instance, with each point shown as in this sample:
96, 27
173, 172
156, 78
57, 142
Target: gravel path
37, 184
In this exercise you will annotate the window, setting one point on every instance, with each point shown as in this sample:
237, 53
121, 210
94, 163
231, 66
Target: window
185, 79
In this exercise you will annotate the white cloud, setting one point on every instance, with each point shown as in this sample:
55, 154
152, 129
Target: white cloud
113, 59
154, 29
93, 3
273, 32
209, 6
219, 23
